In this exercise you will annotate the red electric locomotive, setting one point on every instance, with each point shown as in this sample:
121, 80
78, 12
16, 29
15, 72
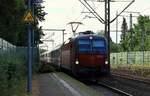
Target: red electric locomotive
85, 54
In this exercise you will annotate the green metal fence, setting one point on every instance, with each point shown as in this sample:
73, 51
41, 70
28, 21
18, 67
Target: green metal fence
6, 46
130, 58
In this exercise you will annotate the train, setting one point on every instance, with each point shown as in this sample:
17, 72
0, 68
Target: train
83, 55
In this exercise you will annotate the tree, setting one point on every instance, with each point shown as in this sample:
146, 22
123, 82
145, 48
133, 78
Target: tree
124, 28
124, 36
140, 31
12, 27
9, 19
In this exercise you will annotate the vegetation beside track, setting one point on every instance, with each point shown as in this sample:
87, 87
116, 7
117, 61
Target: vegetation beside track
136, 70
13, 74
132, 63
12, 79
46, 68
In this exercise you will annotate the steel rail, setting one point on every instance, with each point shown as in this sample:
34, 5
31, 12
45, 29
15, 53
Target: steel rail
130, 77
114, 89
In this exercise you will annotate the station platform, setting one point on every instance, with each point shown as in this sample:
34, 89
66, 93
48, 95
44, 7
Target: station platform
60, 84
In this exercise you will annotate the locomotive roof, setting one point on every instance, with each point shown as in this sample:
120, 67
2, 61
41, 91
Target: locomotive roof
84, 35
89, 35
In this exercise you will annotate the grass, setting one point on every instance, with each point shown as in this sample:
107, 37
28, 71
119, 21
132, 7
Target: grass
134, 69
21, 89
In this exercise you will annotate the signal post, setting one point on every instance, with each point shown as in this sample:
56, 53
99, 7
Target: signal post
29, 19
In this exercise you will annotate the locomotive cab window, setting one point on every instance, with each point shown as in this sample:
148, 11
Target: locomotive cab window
84, 45
98, 45
84, 42
93, 45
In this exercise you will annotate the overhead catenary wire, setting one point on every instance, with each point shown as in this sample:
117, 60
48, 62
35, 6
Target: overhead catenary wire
122, 11
89, 10
97, 15
92, 12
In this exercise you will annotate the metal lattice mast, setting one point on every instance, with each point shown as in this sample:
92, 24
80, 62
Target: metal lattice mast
107, 26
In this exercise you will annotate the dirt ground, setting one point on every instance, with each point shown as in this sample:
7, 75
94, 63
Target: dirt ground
35, 88
140, 72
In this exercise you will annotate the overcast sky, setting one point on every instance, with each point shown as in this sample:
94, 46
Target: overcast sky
61, 12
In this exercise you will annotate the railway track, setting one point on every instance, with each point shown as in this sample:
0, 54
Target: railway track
105, 88
134, 86
120, 85
120, 92
131, 77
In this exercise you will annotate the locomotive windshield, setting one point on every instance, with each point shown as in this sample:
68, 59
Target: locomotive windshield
94, 45
98, 46
98, 43
84, 46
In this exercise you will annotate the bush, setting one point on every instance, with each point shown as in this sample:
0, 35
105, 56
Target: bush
12, 70
46, 68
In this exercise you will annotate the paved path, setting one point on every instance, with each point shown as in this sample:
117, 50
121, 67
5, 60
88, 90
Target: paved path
48, 86
60, 84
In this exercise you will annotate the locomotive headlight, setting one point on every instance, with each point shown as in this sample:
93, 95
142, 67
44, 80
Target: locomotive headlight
106, 62
90, 37
77, 62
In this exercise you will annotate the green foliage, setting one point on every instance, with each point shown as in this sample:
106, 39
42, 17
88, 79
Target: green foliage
114, 47
124, 28
135, 70
132, 40
10, 19
124, 36
13, 73
12, 27
39, 12
142, 29
12, 69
